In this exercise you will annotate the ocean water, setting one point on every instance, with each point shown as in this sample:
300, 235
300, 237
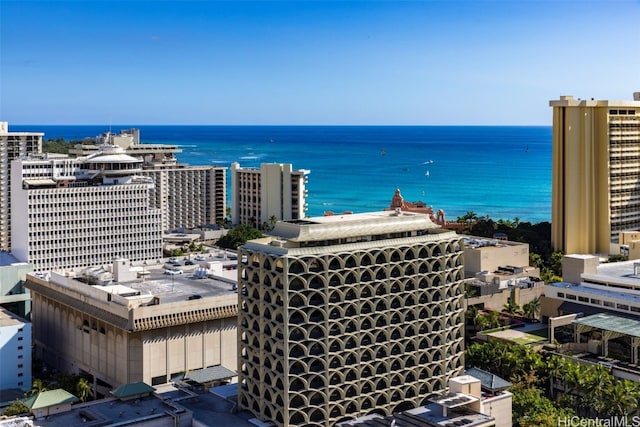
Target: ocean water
500, 171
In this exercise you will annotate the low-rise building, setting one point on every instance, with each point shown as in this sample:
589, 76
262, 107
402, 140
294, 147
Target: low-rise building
592, 287
478, 399
125, 329
498, 273
15, 352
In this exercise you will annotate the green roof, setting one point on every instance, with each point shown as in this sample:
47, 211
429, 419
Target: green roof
132, 389
608, 322
45, 399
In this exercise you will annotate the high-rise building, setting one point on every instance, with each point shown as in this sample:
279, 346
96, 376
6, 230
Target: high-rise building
273, 191
12, 146
83, 212
596, 163
343, 315
189, 196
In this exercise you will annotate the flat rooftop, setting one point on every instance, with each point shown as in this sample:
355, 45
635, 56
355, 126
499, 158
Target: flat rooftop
177, 287
112, 412
7, 318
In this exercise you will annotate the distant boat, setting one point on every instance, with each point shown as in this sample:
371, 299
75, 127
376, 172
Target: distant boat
426, 174
383, 152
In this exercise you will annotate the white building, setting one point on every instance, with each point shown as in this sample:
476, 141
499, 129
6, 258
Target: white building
189, 196
591, 287
273, 190
15, 352
83, 212
12, 146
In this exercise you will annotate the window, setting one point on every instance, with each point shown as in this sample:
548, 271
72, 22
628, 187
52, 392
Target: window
595, 301
560, 294
623, 307
20, 365
607, 303
571, 297
583, 299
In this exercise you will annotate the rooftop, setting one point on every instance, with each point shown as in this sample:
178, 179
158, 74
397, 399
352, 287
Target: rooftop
351, 226
611, 323
7, 318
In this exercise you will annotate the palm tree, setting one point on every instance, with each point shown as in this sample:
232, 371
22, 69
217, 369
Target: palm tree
532, 309
37, 387
84, 389
493, 319
512, 308
597, 382
556, 369
480, 321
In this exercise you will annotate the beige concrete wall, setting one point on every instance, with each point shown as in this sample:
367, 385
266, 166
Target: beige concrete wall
71, 341
489, 258
573, 266
170, 351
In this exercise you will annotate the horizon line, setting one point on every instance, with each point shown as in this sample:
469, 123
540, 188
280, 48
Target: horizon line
281, 125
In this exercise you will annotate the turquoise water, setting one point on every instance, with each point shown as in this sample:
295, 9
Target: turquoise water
500, 171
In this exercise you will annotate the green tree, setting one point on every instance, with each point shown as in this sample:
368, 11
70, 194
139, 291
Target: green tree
532, 309
238, 236
84, 389
15, 408
512, 308
556, 263
493, 319
536, 261
37, 386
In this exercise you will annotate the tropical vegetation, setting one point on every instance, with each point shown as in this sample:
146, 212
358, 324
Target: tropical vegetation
238, 236
548, 387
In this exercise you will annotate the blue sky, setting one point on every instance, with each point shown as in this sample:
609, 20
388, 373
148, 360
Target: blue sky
443, 62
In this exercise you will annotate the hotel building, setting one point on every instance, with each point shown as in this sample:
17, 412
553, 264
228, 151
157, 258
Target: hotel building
127, 329
596, 163
83, 212
344, 315
188, 196
12, 146
273, 190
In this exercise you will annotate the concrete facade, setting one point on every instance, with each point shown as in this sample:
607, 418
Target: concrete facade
483, 254
147, 329
344, 315
83, 212
15, 352
12, 146
595, 190
273, 190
